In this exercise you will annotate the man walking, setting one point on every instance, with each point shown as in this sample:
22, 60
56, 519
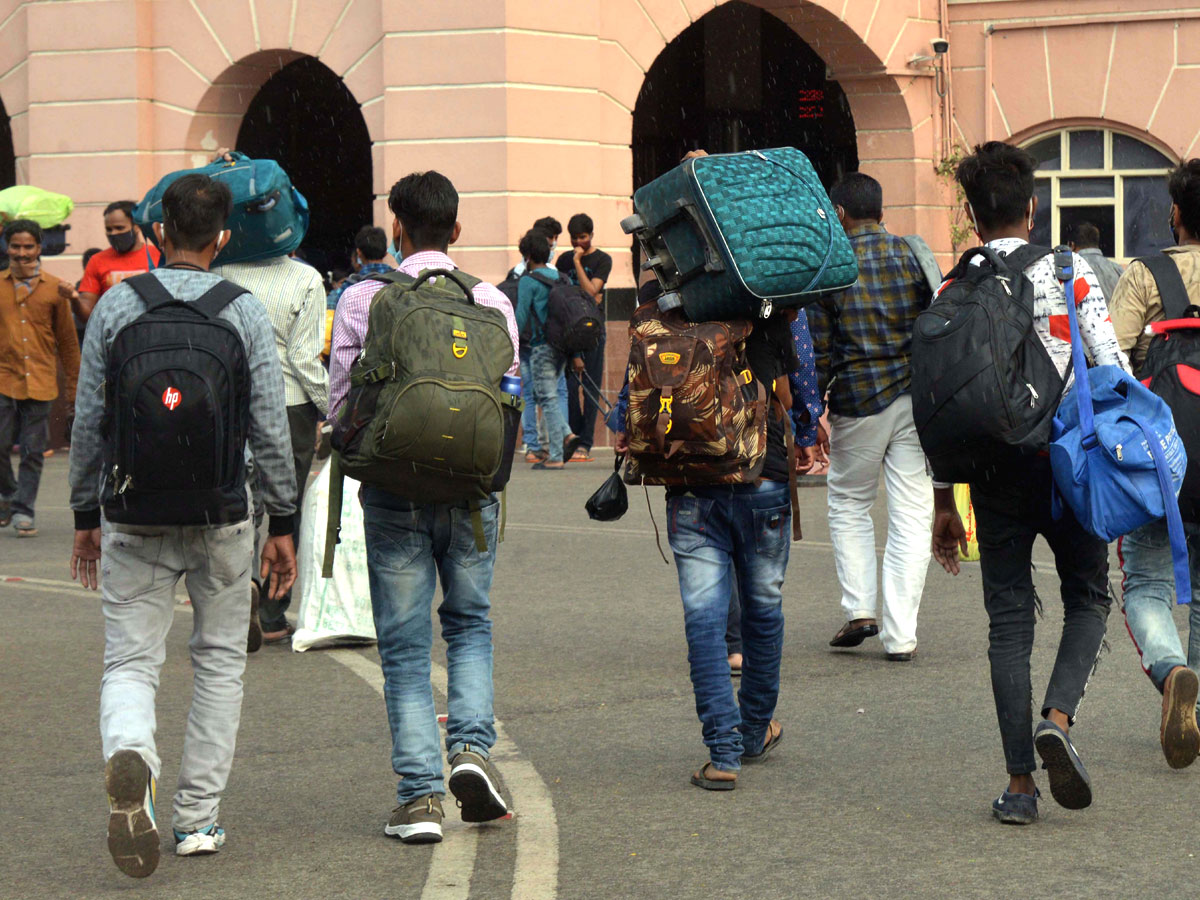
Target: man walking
409, 546
137, 514
36, 332
127, 255
1145, 553
370, 258
863, 342
1107, 272
294, 297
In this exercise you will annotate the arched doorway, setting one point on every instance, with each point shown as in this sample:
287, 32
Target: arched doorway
739, 78
305, 118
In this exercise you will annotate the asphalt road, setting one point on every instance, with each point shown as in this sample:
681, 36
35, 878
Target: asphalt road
881, 788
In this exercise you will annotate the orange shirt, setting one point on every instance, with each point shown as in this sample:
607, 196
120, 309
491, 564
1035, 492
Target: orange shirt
109, 268
35, 329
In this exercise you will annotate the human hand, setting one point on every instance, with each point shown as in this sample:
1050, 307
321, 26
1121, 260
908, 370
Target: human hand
67, 291
317, 439
223, 154
278, 563
822, 444
694, 154
622, 444
85, 558
805, 459
577, 363
579, 253
949, 536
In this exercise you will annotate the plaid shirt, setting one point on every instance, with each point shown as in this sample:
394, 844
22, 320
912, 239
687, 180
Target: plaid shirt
863, 336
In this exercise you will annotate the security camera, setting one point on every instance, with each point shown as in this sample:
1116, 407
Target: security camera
940, 45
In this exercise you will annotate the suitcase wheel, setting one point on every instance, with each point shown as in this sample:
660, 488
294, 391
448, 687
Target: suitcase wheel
633, 223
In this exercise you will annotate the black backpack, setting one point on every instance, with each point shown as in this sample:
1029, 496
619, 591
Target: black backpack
1172, 370
176, 412
984, 388
508, 287
572, 323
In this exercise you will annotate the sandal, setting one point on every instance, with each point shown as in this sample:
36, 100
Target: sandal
582, 455
548, 466
774, 736
535, 456
700, 779
855, 632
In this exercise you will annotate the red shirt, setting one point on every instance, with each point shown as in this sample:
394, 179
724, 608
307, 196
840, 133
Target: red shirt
109, 268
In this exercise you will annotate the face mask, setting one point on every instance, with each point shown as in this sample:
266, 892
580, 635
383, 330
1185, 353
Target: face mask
1171, 227
553, 247
394, 249
123, 241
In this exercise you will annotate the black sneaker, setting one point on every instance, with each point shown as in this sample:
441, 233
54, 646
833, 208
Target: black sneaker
418, 821
1016, 809
476, 787
1070, 785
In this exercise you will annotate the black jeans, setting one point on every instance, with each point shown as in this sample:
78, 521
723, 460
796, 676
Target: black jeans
581, 412
23, 422
1011, 510
302, 423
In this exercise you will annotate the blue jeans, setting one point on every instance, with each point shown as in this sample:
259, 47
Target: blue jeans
719, 534
547, 364
1150, 597
529, 418
409, 546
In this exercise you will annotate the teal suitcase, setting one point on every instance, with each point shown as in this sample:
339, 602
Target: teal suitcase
735, 235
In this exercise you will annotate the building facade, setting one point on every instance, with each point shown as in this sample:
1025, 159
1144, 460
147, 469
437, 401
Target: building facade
535, 109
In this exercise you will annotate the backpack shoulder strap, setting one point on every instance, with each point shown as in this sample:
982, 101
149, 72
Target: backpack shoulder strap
926, 261
1171, 289
551, 283
151, 290
393, 277
1025, 256
217, 297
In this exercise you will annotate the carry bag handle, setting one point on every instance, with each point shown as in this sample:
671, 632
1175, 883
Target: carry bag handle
333, 518
430, 274
1171, 289
1064, 271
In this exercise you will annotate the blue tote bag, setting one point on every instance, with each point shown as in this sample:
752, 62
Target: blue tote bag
1118, 461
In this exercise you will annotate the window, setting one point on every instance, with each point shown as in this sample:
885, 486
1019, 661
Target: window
1114, 181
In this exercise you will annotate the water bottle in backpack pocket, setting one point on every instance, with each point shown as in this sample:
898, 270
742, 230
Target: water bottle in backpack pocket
177, 409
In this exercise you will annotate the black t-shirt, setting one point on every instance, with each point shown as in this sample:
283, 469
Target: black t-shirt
771, 353
597, 264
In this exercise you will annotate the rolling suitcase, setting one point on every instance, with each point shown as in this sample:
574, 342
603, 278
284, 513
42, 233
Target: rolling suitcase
734, 235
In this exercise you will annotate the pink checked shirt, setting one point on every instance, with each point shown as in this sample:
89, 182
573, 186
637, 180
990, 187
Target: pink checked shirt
350, 321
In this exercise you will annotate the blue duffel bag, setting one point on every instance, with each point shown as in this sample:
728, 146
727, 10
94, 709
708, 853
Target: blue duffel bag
1117, 459
270, 217
734, 235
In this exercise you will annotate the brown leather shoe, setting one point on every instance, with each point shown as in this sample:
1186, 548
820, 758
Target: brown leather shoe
1179, 734
278, 637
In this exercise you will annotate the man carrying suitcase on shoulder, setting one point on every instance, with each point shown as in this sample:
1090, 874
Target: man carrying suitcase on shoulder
193, 358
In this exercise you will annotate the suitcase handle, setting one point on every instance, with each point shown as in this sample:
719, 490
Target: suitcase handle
712, 259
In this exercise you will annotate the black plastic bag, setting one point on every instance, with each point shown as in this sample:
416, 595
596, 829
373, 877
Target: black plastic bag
610, 501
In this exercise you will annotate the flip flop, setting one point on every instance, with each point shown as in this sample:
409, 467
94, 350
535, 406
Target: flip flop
545, 468
852, 637
770, 744
700, 779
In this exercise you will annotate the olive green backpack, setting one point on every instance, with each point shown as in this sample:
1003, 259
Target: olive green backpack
426, 418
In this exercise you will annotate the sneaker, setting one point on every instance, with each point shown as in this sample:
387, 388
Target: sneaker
476, 787
132, 832
1179, 734
200, 842
1070, 785
254, 639
418, 821
1016, 809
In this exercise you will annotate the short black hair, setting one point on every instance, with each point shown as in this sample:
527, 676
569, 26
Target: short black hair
860, 195
339, 275
550, 225
125, 206
1086, 235
998, 181
371, 242
581, 223
1183, 184
23, 226
535, 246
426, 204
88, 254
195, 209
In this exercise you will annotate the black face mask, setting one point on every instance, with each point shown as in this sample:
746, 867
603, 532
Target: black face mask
123, 241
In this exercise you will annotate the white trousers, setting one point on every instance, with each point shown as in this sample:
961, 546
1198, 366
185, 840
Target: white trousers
858, 449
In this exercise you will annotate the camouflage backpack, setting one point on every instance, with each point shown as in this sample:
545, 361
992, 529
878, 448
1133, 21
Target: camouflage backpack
697, 415
426, 418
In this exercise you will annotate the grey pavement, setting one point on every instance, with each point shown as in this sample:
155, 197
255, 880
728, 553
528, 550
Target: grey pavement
881, 788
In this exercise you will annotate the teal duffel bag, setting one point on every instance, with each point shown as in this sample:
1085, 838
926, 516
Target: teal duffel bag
734, 235
270, 217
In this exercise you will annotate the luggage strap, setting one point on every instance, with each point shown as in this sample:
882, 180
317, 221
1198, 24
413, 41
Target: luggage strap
333, 520
1064, 270
1171, 289
789, 440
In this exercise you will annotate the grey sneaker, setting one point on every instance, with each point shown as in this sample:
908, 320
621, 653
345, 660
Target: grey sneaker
476, 787
418, 821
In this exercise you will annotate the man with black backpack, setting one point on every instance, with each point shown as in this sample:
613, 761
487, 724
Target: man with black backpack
1012, 490
1152, 290
546, 363
179, 375
446, 344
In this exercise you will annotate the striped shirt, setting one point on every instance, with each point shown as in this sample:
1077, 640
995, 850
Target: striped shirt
350, 321
294, 296
268, 434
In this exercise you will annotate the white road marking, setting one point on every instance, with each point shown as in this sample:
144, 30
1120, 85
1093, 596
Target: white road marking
535, 876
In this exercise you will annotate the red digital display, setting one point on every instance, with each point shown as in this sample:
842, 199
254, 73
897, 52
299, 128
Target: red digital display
811, 103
